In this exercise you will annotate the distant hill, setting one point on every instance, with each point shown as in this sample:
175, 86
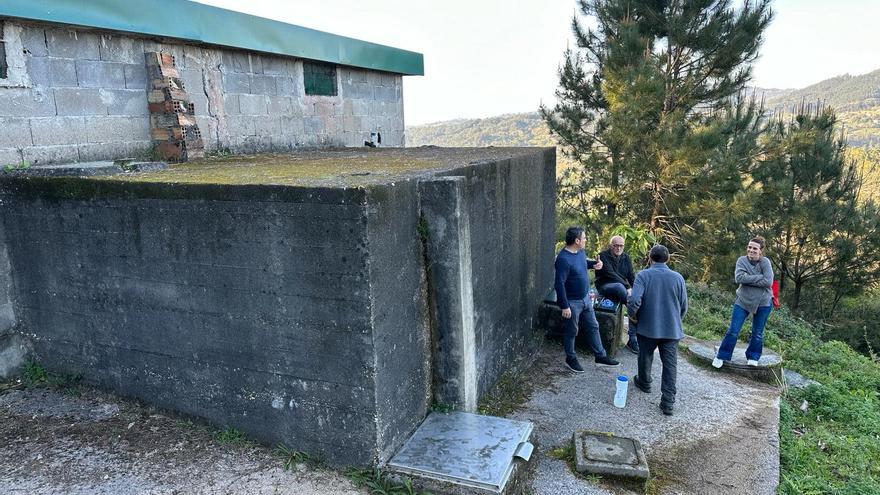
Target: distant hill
855, 98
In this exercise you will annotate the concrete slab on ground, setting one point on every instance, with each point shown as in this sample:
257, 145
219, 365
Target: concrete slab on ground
605, 454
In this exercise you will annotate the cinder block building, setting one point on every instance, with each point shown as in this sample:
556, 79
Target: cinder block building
76, 83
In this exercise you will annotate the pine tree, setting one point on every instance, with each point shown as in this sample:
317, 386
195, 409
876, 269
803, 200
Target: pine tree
822, 236
650, 104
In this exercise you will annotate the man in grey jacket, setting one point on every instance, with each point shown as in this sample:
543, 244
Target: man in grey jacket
658, 303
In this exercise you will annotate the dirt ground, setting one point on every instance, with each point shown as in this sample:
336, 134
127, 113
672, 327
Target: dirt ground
90, 442
723, 438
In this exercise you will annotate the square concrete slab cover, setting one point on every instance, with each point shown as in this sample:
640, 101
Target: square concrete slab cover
602, 453
465, 449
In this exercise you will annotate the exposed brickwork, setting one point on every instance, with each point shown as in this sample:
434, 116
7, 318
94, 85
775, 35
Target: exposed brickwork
173, 126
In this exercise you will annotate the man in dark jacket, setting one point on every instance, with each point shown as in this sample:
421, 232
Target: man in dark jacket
615, 280
658, 302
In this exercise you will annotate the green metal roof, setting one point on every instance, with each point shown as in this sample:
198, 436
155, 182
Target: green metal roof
201, 23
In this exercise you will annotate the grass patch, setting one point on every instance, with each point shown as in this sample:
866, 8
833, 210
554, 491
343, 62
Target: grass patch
508, 395
380, 483
35, 375
230, 436
290, 457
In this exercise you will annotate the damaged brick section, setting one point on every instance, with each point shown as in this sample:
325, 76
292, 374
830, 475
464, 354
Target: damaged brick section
173, 125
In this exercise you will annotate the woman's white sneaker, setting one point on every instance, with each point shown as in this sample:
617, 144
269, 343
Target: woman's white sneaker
717, 363
752, 362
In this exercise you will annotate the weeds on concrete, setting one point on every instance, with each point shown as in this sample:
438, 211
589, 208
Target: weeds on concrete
508, 395
442, 407
379, 483
35, 375
290, 457
423, 229
230, 436
22, 165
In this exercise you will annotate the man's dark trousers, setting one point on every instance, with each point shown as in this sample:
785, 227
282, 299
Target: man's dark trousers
669, 359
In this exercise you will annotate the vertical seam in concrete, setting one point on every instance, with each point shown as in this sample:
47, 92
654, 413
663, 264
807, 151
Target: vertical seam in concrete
365, 207
468, 337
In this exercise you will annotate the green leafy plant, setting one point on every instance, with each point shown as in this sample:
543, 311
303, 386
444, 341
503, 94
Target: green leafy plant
290, 457
380, 483
22, 165
230, 436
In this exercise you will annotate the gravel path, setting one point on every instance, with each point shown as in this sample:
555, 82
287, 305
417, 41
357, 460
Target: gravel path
723, 437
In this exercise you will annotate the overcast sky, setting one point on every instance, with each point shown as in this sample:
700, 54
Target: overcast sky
489, 57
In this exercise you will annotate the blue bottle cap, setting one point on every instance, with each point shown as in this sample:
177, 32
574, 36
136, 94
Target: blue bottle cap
622, 378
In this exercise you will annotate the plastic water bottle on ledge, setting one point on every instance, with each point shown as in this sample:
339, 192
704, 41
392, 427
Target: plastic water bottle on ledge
593, 297
620, 394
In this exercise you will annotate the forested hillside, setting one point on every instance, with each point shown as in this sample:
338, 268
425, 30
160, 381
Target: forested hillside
855, 98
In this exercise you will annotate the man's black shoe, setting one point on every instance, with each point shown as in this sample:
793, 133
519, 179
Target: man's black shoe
633, 346
641, 386
574, 365
606, 361
667, 410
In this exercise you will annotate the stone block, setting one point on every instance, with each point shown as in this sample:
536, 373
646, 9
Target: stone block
135, 76
286, 86
42, 155
100, 74
292, 126
17, 102
234, 61
267, 126
606, 454
234, 82
231, 104
125, 101
276, 66
39, 72
113, 151
71, 43
241, 125
352, 124
58, 130
256, 63
279, 105
253, 104
195, 57
116, 129
263, 85
33, 41
122, 49
385, 93
16, 133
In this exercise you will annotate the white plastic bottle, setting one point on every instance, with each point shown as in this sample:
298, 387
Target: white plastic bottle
620, 394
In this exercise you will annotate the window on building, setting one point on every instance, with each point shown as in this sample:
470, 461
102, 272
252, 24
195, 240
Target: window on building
3, 68
320, 79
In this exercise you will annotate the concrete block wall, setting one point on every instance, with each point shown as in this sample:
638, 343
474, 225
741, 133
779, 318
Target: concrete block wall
250, 102
80, 95
71, 96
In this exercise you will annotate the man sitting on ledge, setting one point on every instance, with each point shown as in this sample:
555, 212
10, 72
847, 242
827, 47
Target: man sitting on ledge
615, 281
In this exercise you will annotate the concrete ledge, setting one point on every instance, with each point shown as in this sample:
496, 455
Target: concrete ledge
86, 169
769, 369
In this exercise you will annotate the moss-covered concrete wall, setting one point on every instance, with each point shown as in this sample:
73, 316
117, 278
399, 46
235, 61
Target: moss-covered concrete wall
295, 311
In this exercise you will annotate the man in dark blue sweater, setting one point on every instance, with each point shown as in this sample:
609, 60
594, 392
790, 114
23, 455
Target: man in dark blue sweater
572, 294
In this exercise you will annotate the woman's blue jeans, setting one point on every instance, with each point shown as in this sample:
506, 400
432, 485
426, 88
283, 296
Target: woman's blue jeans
756, 342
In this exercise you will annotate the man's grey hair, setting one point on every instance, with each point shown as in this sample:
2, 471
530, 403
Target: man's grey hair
659, 254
